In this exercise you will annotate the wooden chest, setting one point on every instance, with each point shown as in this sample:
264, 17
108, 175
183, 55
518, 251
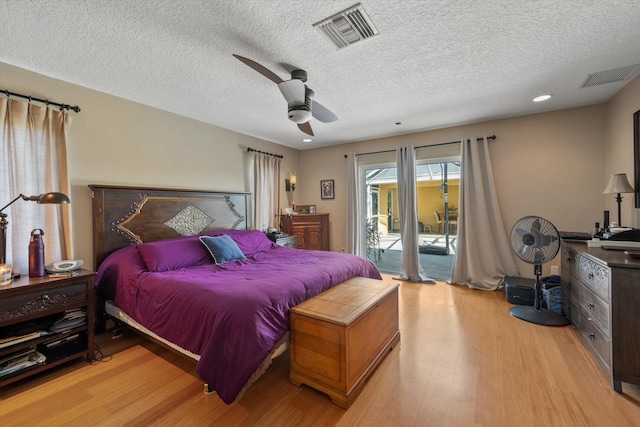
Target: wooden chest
339, 337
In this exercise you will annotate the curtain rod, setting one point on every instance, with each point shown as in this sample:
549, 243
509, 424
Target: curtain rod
46, 101
249, 149
421, 146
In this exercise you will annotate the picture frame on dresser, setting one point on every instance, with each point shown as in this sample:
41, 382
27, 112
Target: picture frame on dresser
327, 189
305, 209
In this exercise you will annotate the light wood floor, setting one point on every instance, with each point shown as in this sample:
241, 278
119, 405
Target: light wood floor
462, 361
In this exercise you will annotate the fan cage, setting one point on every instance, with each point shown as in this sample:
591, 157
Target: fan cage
534, 240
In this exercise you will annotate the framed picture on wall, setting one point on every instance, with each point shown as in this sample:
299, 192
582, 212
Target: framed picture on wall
636, 155
326, 189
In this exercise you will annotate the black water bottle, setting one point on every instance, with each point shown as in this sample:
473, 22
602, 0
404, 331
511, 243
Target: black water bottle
36, 253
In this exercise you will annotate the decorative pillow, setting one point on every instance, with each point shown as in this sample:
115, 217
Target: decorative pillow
172, 254
249, 241
222, 248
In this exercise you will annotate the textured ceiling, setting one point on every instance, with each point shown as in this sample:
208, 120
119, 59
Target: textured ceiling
435, 63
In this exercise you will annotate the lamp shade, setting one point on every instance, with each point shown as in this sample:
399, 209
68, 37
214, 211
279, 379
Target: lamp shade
292, 178
618, 183
53, 197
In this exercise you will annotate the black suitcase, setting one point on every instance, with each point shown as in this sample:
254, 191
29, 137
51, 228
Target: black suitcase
519, 290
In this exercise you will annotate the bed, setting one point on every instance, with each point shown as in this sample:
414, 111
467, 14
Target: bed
183, 267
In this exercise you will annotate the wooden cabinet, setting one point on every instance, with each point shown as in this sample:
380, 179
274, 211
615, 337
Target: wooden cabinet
32, 304
339, 337
312, 230
601, 296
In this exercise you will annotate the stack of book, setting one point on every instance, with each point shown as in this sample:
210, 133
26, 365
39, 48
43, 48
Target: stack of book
20, 360
13, 340
72, 319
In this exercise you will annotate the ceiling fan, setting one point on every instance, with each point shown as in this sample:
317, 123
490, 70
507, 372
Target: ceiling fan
299, 97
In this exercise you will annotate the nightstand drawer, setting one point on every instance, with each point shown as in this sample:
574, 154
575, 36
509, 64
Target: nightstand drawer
30, 305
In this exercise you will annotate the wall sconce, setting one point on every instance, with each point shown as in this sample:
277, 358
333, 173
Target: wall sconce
45, 198
618, 183
290, 183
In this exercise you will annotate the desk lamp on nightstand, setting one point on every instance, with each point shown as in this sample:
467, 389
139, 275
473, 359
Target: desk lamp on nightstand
46, 198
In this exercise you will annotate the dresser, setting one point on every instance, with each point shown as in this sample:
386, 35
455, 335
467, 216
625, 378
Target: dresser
32, 304
601, 296
312, 230
339, 337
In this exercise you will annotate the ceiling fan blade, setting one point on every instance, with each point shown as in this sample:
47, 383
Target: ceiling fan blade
306, 128
293, 91
259, 68
322, 113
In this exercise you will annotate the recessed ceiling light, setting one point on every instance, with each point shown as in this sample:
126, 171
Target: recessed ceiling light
306, 140
541, 98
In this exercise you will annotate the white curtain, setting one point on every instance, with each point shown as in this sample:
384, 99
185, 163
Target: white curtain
33, 159
266, 179
484, 255
353, 232
408, 216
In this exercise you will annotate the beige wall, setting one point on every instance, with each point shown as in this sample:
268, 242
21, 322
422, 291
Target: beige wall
548, 164
619, 153
552, 164
115, 141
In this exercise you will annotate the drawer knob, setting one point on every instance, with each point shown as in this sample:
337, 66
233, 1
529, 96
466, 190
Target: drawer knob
591, 306
590, 276
592, 336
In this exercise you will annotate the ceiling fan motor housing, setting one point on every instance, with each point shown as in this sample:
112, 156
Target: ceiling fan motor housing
301, 113
299, 74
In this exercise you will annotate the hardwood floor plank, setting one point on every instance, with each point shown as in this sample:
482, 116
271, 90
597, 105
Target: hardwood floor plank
463, 360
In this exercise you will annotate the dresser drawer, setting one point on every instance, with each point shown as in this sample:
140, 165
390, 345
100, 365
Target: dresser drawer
31, 305
594, 275
595, 308
596, 340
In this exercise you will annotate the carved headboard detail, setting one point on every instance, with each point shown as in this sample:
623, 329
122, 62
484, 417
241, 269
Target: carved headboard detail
124, 216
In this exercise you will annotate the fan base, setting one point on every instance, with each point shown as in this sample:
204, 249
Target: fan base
539, 317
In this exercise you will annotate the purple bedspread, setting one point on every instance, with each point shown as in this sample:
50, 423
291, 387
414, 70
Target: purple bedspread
234, 314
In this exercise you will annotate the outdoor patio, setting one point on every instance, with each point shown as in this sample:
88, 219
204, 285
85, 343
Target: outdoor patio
387, 255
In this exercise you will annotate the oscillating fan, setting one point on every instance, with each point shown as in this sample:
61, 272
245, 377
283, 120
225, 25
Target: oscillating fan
536, 241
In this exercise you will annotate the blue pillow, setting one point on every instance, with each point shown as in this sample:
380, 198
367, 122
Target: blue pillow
222, 248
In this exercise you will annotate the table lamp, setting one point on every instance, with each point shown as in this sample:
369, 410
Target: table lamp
618, 183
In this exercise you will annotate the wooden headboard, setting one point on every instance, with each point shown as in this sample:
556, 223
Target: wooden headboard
124, 216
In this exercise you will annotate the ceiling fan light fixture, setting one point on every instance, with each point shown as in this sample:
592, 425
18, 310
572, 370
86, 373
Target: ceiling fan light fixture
299, 114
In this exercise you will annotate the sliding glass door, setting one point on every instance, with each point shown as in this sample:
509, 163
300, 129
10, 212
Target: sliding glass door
437, 198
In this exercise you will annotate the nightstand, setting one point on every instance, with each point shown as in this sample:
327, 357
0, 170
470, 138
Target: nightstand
39, 301
288, 241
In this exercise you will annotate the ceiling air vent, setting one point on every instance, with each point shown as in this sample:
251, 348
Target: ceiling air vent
348, 27
610, 76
